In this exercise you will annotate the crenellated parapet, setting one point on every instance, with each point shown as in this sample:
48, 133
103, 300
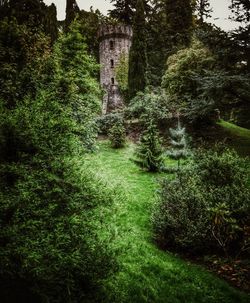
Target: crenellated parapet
107, 31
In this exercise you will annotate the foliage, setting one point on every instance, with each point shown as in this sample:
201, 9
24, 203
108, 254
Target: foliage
121, 75
124, 10
241, 14
181, 82
47, 206
50, 24
105, 122
89, 23
206, 209
149, 105
149, 154
180, 218
77, 82
51, 204
227, 86
72, 10
179, 143
169, 29
229, 92
137, 55
22, 57
117, 135
32, 13
147, 273
223, 48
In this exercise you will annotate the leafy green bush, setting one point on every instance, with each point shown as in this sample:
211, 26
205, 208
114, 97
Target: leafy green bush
148, 105
51, 206
105, 122
49, 218
149, 153
180, 217
206, 208
117, 135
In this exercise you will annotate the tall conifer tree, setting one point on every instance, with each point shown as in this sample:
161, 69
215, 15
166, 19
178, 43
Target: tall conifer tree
124, 10
72, 10
51, 22
137, 56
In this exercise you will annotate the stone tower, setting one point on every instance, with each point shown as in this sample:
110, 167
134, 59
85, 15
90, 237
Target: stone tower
114, 40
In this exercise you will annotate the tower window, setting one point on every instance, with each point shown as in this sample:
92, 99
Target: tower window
112, 81
111, 44
111, 63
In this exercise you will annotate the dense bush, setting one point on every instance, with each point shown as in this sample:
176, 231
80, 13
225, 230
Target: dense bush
117, 135
48, 208
105, 122
149, 105
206, 208
51, 206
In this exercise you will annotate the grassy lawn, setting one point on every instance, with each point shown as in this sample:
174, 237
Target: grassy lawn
147, 274
239, 137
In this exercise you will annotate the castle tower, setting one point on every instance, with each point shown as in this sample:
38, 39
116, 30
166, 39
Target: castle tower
114, 40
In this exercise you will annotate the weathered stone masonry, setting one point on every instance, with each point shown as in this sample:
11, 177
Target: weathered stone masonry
115, 40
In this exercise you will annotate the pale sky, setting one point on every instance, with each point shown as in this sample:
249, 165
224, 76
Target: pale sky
220, 8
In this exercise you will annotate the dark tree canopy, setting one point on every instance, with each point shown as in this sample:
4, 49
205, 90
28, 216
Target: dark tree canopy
71, 11
33, 13
169, 28
241, 14
137, 56
124, 10
25, 11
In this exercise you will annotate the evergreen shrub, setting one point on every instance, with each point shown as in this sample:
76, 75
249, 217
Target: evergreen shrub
51, 206
117, 135
149, 153
206, 208
50, 209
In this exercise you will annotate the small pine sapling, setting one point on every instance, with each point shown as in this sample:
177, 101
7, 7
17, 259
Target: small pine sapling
149, 154
117, 135
179, 143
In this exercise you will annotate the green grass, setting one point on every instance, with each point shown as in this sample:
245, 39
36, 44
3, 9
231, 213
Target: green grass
239, 137
147, 274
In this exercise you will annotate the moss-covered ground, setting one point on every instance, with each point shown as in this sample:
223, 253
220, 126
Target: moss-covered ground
146, 273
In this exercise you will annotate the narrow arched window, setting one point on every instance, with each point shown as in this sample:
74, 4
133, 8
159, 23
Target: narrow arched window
112, 81
111, 63
111, 44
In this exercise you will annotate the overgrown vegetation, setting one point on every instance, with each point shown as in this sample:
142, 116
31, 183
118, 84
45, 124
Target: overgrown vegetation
49, 220
74, 212
146, 273
206, 208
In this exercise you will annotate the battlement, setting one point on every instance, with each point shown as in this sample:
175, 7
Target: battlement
119, 30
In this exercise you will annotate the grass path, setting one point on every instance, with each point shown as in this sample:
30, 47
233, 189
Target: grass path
146, 273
